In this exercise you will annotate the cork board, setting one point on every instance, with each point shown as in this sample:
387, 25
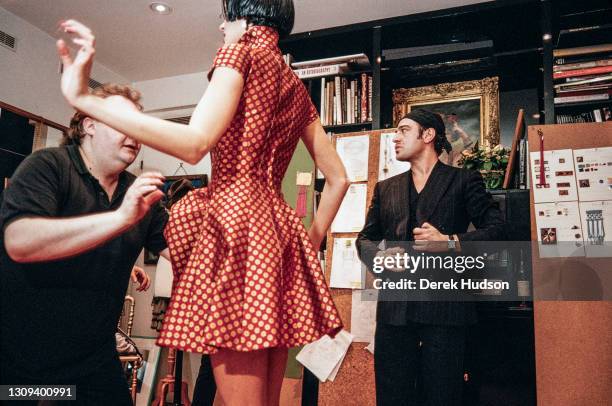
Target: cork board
354, 384
573, 340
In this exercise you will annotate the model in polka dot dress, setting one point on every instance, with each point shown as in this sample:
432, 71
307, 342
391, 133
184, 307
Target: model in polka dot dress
246, 273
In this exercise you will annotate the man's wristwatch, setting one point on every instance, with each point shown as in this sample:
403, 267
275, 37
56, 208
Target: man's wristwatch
452, 242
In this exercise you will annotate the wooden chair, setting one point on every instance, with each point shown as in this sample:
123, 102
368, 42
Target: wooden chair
126, 322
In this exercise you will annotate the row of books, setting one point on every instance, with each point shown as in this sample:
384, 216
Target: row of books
583, 74
593, 116
346, 100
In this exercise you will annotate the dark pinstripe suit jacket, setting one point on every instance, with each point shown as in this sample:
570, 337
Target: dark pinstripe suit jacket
451, 199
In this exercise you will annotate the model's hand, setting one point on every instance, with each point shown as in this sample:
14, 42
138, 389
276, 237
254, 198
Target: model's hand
140, 276
75, 75
139, 198
428, 238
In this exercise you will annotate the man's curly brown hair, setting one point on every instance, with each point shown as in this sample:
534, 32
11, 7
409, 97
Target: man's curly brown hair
76, 131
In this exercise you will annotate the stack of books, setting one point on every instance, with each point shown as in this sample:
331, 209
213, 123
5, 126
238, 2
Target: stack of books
591, 116
346, 100
346, 95
583, 74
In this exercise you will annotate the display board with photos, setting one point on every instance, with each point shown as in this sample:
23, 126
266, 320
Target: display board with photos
572, 195
571, 210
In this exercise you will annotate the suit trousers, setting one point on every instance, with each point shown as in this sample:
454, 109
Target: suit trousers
419, 364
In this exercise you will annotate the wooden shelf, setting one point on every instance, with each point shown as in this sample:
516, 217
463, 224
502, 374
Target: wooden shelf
349, 127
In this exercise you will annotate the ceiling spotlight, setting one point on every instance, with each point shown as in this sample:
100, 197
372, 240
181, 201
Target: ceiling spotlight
160, 8
546, 37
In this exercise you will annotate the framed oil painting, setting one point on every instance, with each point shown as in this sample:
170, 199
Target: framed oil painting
470, 111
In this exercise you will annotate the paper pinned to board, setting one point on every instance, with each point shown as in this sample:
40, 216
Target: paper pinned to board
559, 182
594, 173
596, 220
559, 230
304, 179
347, 271
363, 315
388, 165
370, 347
351, 215
354, 153
324, 356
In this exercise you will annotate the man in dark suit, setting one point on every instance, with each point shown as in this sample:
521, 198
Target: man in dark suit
420, 344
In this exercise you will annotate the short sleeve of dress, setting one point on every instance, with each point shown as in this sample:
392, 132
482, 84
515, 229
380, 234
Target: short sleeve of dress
311, 112
235, 56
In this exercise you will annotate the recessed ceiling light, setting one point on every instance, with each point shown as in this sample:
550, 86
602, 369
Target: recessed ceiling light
160, 8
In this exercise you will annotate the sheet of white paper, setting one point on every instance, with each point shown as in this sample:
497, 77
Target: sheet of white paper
363, 315
351, 215
597, 226
334, 372
594, 173
559, 229
370, 347
325, 354
347, 271
560, 177
354, 152
388, 165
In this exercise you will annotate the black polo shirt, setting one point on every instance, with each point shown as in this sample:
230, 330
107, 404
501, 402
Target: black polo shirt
58, 318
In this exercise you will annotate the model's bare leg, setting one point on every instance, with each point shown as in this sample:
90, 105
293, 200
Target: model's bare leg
241, 376
277, 362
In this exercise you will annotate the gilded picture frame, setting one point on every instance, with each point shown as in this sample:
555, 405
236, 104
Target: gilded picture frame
470, 111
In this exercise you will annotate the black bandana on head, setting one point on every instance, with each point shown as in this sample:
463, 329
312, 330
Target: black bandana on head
428, 119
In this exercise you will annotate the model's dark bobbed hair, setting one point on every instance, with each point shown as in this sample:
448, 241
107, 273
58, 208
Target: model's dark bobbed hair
278, 14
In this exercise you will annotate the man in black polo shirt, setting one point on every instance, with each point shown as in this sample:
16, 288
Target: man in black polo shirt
73, 223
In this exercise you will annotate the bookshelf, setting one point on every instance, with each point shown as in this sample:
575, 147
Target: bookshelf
510, 33
577, 57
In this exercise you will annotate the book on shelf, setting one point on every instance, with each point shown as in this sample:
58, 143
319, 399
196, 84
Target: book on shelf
582, 65
369, 98
584, 75
582, 98
361, 60
364, 98
319, 71
594, 116
517, 170
591, 49
580, 59
583, 89
330, 66
344, 100
582, 72
523, 163
599, 80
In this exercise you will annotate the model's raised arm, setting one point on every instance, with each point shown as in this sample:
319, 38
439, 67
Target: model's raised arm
190, 143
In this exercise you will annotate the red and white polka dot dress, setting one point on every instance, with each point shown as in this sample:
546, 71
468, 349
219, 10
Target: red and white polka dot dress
246, 276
